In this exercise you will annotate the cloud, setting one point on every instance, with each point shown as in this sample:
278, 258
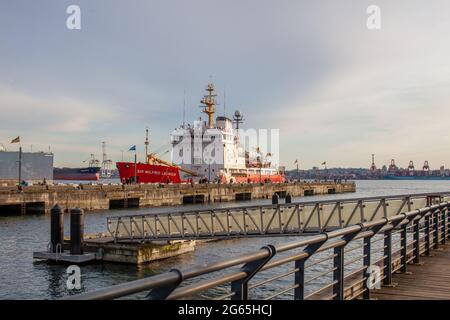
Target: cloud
61, 122
337, 91
58, 114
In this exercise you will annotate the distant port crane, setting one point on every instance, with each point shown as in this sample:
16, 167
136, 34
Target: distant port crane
106, 170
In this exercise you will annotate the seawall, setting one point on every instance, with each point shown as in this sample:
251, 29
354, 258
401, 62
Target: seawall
40, 199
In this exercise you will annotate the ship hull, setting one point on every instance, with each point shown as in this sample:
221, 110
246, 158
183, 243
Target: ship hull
148, 173
77, 174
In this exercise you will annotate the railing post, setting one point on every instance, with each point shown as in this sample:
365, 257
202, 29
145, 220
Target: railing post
427, 235
338, 273
448, 221
240, 287
367, 252
387, 262
299, 291
443, 211
416, 230
436, 228
404, 243
338, 264
366, 263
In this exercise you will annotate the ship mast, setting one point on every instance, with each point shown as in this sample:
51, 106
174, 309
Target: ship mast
146, 143
209, 104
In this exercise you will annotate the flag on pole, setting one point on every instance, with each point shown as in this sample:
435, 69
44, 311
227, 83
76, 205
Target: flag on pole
133, 148
296, 161
16, 140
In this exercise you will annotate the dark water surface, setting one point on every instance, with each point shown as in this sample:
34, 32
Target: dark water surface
21, 278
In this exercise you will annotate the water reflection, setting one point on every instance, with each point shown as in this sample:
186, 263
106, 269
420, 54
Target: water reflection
20, 278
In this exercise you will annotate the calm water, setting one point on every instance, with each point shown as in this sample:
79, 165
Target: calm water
21, 278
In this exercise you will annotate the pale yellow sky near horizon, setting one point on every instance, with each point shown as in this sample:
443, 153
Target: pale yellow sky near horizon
337, 91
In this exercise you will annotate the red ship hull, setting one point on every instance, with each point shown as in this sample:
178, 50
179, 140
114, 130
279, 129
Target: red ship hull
148, 173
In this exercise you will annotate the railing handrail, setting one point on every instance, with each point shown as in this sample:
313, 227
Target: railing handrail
321, 242
305, 203
263, 220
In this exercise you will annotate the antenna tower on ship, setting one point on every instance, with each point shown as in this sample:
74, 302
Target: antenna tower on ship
209, 104
184, 108
146, 144
238, 118
224, 103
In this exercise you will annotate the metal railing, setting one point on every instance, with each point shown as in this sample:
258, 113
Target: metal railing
330, 265
262, 220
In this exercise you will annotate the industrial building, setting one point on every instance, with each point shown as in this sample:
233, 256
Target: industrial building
36, 166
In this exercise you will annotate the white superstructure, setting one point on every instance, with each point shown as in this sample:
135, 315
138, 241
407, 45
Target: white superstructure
213, 150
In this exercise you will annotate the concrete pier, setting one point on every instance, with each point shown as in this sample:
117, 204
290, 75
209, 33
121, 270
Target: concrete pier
40, 199
135, 252
102, 248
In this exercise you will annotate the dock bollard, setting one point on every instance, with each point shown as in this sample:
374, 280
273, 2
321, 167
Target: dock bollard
275, 198
56, 228
288, 198
76, 231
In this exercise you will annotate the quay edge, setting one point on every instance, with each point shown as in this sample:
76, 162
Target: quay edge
40, 199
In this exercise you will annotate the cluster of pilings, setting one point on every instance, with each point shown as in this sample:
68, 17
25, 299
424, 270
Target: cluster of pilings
276, 198
55, 251
57, 230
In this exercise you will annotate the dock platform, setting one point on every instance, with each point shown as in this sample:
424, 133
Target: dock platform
66, 257
40, 199
429, 280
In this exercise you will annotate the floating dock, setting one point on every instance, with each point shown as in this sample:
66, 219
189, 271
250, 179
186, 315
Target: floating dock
135, 252
40, 199
103, 248
81, 249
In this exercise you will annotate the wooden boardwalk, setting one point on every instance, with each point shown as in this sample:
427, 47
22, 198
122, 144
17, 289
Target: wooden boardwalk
429, 280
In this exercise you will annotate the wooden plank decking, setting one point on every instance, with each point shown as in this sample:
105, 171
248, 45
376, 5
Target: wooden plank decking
430, 280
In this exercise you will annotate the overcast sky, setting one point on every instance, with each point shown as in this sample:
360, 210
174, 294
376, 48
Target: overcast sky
337, 91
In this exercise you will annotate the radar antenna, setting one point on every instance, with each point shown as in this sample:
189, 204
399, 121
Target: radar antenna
238, 118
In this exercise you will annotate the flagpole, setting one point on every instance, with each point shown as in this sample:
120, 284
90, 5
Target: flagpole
135, 168
20, 165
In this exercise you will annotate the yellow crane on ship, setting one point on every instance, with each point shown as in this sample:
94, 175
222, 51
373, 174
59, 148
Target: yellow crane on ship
153, 159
